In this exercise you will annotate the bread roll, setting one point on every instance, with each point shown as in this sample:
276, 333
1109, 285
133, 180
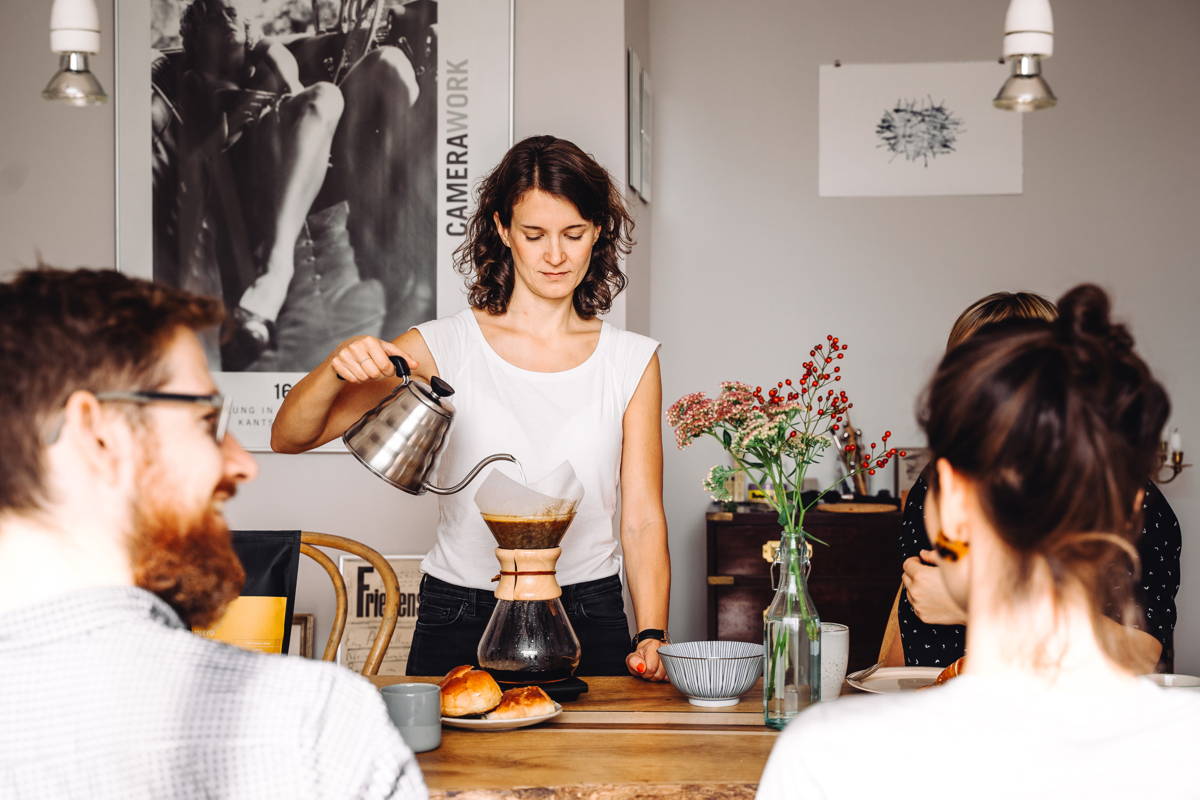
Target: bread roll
454, 673
952, 671
522, 702
471, 692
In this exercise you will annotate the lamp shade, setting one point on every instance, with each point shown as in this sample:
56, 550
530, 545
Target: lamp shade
74, 84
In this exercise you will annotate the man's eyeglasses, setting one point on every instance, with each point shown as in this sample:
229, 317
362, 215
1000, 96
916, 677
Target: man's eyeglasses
219, 402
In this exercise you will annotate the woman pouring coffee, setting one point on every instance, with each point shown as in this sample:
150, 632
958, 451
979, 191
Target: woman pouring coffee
541, 377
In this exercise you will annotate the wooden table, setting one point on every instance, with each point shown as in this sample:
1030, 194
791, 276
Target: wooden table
624, 738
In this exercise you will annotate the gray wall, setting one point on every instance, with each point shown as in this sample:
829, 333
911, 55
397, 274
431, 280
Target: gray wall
750, 267
56, 163
743, 252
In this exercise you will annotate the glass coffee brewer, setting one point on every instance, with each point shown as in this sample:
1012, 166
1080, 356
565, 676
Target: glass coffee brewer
529, 639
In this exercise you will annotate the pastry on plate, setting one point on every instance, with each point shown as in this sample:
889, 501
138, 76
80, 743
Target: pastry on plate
952, 671
469, 691
522, 702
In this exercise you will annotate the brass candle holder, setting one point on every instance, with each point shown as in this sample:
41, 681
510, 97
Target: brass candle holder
1171, 461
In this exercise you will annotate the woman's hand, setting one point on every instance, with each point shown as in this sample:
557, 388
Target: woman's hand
364, 358
927, 593
644, 662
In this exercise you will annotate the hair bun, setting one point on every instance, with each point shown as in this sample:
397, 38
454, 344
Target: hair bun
1083, 315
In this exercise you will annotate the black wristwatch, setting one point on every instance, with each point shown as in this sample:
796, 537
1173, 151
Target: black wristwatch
649, 633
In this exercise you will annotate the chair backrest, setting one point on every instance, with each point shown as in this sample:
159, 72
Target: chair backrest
309, 542
891, 649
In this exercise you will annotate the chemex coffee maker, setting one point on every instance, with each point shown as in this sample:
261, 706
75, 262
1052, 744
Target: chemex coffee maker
529, 639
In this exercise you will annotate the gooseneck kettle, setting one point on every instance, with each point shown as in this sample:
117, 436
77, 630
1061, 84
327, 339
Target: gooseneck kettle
401, 438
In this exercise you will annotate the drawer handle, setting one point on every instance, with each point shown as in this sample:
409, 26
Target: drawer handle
720, 580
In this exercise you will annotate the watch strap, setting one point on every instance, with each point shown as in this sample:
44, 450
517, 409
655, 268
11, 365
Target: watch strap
649, 633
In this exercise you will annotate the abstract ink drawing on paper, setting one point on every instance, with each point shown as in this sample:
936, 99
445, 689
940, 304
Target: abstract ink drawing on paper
918, 130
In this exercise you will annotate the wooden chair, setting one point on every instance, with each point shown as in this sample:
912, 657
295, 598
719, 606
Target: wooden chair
891, 649
309, 542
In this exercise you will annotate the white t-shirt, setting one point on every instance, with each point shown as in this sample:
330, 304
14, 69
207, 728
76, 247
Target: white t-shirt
542, 418
986, 737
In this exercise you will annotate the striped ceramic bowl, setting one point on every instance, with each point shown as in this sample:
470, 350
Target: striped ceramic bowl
712, 673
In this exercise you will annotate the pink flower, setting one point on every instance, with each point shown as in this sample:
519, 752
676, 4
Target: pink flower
735, 402
691, 416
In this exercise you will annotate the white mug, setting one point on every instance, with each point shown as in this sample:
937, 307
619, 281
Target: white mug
835, 652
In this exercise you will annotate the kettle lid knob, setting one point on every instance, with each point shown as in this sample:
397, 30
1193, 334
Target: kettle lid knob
440, 387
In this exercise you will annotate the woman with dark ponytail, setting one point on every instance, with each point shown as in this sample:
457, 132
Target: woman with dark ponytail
931, 625
1043, 436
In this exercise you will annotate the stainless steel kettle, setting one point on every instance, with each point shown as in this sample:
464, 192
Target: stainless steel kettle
401, 438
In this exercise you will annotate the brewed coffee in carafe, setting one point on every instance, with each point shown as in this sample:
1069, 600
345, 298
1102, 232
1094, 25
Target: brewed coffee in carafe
529, 638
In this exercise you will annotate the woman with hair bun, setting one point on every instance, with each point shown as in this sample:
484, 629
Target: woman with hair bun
931, 624
539, 376
1043, 435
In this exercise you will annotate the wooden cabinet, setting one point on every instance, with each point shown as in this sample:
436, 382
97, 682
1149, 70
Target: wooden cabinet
853, 580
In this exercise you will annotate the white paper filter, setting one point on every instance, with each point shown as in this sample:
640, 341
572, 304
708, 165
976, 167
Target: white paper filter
554, 495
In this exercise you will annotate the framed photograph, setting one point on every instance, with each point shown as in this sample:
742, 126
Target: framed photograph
916, 129
908, 469
309, 162
366, 599
647, 136
301, 641
633, 98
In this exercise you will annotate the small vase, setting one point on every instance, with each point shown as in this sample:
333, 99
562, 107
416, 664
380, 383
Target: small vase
791, 637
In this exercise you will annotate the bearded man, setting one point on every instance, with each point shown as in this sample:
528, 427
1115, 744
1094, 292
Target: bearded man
113, 545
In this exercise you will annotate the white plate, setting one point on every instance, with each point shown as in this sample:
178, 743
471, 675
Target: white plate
499, 724
886, 680
1174, 681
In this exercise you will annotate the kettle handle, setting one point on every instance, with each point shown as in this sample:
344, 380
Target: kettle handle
401, 366
470, 475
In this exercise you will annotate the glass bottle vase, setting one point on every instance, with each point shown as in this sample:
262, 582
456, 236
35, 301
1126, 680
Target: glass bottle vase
791, 637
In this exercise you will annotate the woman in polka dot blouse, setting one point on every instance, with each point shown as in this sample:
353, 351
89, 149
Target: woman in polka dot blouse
930, 623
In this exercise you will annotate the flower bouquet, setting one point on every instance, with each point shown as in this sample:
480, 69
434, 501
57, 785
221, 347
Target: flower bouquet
774, 439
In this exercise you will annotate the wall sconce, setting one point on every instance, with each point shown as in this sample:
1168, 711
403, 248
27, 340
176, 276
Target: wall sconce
74, 34
1170, 457
1028, 38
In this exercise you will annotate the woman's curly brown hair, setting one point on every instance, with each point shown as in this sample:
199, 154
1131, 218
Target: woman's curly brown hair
560, 168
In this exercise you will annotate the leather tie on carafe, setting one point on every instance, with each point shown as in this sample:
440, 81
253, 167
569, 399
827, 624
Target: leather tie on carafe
527, 574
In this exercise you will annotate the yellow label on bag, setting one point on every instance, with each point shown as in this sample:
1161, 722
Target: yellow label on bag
255, 623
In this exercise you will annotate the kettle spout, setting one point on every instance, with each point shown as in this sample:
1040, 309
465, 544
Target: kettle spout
470, 475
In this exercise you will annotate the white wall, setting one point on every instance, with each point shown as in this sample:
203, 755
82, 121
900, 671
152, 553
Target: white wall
56, 162
637, 266
750, 267
743, 251
56, 197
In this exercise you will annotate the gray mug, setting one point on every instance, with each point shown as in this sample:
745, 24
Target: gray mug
416, 710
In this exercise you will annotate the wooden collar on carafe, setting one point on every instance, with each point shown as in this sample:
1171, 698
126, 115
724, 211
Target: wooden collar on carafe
527, 574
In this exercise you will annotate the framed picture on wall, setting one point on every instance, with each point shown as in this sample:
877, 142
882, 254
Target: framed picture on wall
309, 162
633, 99
908, 469
301, 641
365, 601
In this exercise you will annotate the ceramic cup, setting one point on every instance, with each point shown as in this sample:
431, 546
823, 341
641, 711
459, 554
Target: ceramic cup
835, 651
416, 710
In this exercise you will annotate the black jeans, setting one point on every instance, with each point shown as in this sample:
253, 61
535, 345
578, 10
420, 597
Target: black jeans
451, 619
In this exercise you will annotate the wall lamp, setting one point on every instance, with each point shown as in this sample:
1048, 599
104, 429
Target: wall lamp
74, 35
1028, 38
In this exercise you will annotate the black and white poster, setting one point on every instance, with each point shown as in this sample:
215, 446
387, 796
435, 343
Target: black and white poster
311, 163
